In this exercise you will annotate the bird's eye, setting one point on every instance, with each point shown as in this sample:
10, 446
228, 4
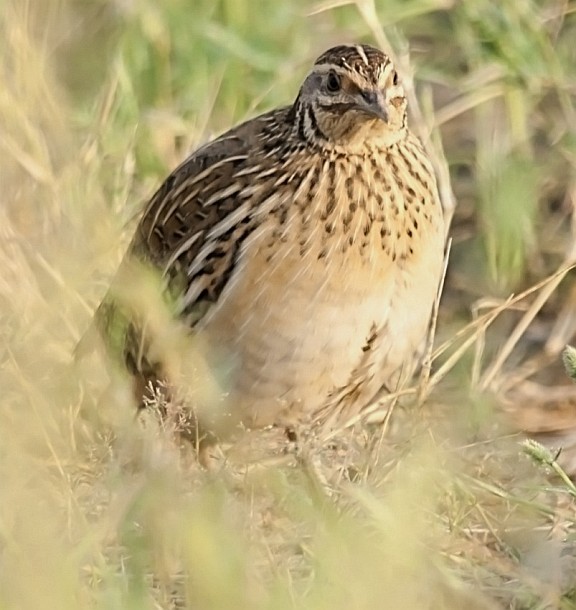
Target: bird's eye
395, 78
333, 82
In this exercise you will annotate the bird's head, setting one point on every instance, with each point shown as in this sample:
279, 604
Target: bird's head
352, 94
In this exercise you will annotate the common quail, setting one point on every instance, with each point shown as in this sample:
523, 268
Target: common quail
300, 252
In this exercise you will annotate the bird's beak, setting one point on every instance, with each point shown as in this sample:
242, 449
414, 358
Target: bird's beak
373, 104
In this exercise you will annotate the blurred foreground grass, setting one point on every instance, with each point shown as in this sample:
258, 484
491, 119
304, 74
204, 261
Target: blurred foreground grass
99, 99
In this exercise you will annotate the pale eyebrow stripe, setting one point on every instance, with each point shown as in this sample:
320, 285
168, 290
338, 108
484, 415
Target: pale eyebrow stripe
325, 68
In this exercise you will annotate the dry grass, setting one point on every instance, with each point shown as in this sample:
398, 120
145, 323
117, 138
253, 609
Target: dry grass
447, 510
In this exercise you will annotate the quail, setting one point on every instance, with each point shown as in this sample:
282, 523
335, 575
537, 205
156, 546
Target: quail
300, 253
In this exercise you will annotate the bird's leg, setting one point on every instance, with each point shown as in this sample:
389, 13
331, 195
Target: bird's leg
308, 457
209, 451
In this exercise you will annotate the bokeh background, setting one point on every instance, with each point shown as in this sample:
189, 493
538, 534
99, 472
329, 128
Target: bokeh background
99, 100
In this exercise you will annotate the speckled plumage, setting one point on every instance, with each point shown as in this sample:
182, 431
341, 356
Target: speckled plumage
304, 246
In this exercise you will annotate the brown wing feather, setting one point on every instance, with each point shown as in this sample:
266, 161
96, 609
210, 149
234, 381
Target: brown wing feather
174, 235
179, 205
199, 196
